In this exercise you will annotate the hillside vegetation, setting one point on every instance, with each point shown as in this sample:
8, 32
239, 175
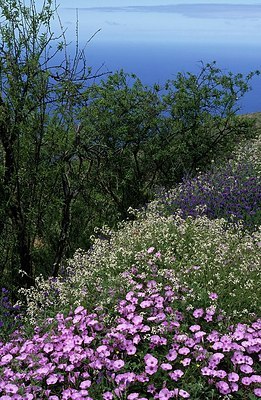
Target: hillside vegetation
129, 231
163, 307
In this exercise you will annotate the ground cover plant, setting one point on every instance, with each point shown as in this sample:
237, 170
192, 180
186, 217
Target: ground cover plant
231, 191
165, 307
153, 345
196, 249
167, 304
74, 147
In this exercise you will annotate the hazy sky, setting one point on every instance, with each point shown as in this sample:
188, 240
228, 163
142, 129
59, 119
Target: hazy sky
157, 38
200, 21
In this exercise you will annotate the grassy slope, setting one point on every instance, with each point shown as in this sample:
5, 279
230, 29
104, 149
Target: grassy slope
257, 117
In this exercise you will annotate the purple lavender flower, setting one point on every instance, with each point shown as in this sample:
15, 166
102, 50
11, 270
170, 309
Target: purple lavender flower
230, 192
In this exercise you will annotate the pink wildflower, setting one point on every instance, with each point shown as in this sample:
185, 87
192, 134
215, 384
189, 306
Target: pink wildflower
198, 312
166, 366
246, 369
165, 394
213, 296
107, 396
52, 379
233, 377
195, 328
257, 392
184, 394
150, 360
118, 364
223, 387
78, 310
85, 384
10, 388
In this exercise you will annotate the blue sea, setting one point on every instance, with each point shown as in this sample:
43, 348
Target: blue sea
158, 62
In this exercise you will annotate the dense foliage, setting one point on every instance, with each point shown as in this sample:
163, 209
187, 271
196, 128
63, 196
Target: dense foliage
74, 150
162, 308
231, 191
162, 305
154, 346
165, 307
